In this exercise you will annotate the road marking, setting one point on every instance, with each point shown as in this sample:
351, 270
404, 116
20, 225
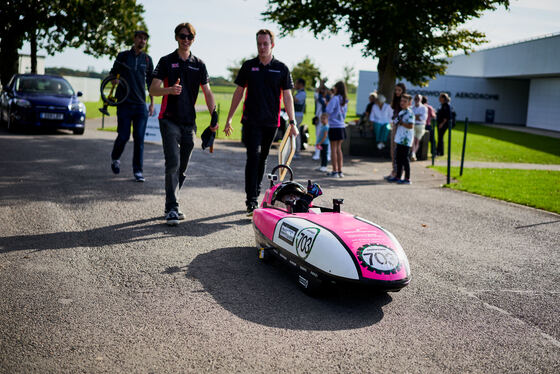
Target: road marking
472, 294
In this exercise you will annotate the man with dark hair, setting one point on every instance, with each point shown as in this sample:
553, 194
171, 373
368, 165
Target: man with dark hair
181, 74
136, 68
267, 81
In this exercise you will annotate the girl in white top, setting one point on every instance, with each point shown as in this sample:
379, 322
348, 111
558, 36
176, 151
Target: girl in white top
381, 115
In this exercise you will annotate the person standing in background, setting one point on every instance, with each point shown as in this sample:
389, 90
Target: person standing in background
336, 109
403, 138
400, 89
420, 116
136, 68
443, 119
299, 109
431, 116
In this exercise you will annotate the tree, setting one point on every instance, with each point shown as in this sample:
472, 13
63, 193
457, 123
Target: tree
307, 70
348, 78
103, 27
234, 69
411, 38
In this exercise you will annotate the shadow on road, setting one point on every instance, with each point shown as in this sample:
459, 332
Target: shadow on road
129, 232
268, 294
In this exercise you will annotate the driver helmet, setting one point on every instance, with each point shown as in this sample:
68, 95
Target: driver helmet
288, 188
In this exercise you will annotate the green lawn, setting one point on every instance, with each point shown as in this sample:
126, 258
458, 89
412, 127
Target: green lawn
536, 188
223, 95
486, 143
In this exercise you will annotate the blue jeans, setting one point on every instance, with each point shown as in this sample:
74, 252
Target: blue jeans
137, 115
178, 144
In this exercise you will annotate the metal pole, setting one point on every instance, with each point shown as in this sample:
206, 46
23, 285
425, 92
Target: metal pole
433, 140
102, 120
449, 152
464, 145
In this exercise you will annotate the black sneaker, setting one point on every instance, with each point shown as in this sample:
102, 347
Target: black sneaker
180, 214
139, 177
250, 208
116, 166
172, 218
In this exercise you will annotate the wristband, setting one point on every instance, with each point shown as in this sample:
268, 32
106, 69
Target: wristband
292, 122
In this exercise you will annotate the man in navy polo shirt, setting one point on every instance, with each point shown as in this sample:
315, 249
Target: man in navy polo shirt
267, 81
181, 74
136, 68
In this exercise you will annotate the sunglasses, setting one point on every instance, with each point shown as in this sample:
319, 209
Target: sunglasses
186, 36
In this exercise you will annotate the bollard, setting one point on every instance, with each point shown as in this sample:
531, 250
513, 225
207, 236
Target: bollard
449, 128
464, 145
433, 141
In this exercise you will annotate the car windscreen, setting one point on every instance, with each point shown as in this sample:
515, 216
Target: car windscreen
44, 85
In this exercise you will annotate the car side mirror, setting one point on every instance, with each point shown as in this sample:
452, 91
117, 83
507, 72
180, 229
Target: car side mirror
79, 94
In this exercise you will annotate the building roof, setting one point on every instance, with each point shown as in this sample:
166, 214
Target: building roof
533, 58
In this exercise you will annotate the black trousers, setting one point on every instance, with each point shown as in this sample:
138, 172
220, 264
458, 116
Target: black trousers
440, 137
257, 141
403, 152
324, 155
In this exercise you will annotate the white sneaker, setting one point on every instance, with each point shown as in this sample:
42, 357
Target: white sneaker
340, 174
380, 146
321, 168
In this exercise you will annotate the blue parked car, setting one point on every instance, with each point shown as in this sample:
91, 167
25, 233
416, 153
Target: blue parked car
42, 101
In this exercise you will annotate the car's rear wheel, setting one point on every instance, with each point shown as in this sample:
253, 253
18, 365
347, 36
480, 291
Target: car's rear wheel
79, 131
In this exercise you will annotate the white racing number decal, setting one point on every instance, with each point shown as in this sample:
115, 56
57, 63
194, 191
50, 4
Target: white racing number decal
379, 259
305, 240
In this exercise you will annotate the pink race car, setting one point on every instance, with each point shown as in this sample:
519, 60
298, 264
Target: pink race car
325, 245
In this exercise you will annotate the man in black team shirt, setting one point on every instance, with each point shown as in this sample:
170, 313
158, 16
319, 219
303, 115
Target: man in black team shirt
181, 74
136, 68
267, 80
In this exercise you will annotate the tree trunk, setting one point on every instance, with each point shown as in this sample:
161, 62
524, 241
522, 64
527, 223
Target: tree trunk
33, 42
387, 74
9, 56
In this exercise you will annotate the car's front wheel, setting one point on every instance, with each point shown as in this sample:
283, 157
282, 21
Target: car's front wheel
10, 124
79, 131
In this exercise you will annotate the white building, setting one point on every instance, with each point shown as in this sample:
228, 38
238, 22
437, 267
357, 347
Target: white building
515, 84
24, 64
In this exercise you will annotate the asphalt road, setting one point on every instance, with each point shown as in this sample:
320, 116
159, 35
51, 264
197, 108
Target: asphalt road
92, 280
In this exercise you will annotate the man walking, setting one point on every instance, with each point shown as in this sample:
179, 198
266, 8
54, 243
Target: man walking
136, 67
267, 81
181, 74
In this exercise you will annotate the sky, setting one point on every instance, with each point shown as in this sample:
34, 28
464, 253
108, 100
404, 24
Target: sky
226, 33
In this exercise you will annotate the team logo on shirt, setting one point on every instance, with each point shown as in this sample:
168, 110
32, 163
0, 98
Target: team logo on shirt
255, 69
174, 65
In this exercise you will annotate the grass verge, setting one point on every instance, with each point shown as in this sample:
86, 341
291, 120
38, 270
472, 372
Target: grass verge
492, 144
535, 188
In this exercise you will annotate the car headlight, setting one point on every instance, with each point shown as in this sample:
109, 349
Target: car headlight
77, 107
22, 103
